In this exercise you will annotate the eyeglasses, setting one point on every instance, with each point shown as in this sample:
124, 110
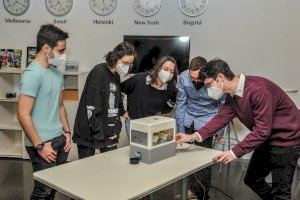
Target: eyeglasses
127, 63
208, 85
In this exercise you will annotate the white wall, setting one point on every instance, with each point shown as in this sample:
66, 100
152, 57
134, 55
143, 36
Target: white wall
255, 37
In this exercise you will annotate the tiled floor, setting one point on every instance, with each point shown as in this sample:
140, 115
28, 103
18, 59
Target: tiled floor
16, 183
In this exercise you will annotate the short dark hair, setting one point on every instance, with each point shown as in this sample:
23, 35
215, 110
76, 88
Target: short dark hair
153, 73
214, 67
197, 63
122, 49
50, 34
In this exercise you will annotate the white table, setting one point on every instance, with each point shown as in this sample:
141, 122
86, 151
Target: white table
110, 176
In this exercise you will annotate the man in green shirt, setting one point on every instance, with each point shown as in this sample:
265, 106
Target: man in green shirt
41, 111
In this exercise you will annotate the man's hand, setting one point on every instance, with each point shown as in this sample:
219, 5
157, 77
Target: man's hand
114, 137
218, 138
182, 138
67, 147
125, 116
224, 157
47, 153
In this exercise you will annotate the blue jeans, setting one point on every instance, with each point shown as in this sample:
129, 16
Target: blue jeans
127, 128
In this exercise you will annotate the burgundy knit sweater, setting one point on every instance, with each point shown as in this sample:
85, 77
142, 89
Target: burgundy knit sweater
266, 110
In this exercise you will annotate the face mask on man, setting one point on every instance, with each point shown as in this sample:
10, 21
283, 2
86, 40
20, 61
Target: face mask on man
58, 59
122, 69
197, 85
165, 76
215, 92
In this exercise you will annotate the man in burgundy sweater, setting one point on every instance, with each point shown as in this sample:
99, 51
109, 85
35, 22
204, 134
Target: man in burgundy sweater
270, 115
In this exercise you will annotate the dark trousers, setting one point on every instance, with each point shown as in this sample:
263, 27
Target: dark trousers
41, 191
281, 163
203, 176
84, 151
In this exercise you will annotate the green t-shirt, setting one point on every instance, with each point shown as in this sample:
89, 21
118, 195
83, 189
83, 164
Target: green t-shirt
45, 84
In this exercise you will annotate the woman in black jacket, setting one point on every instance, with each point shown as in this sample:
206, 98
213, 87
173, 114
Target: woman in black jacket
148, 93
97, 123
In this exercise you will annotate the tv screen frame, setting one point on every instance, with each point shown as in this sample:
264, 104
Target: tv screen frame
182, 64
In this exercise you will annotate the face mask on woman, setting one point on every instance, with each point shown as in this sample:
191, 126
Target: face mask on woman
122, 69
165, 76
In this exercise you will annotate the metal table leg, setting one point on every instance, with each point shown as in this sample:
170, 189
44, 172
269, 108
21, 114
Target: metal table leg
226, 134
184, 189
238, 141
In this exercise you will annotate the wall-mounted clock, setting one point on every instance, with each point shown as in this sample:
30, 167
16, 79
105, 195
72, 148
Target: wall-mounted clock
103, 7
16, 7
146, 8
193, 8
59, 7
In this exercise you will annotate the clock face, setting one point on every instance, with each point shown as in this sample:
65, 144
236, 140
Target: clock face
16, 7
103, 7
59, 7
193, 8
146, 8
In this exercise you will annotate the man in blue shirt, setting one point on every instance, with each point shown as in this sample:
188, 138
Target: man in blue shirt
41, 110
194, 108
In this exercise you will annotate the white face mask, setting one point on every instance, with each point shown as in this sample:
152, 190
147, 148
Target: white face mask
215, 92
122, 69
58, 59
165, 76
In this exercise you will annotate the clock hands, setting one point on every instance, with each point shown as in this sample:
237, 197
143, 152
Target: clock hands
103, 7
194, 4
104, 4
17, 2
14, 4
58, 2
148, 7
15, 7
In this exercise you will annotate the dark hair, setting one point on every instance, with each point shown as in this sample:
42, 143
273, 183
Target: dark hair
153, 73
122, 49
214, 67
50, 34
197, 63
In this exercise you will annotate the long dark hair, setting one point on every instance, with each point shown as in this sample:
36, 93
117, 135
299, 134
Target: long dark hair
158, 66
122, 49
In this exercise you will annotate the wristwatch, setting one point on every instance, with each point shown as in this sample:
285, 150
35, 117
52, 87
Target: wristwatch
68, 132
39, 147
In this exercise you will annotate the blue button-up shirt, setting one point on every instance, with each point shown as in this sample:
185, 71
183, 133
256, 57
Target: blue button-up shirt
192, 105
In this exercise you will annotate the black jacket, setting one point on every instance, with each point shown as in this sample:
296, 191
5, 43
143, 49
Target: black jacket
99, 110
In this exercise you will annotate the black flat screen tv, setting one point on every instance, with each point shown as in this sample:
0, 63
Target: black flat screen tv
150, 48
